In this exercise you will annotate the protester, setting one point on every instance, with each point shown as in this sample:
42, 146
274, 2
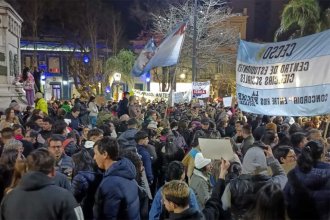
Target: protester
36, 183
41, 103
175, 195
175, 171
28, 85
200, 179
117, 196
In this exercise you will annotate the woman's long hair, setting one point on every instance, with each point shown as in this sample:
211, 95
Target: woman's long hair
310, 154
19, 170
25, 73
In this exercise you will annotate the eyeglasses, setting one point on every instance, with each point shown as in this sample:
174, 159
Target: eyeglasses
292, 156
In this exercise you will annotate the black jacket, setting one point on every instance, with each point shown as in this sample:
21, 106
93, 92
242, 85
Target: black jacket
36, 197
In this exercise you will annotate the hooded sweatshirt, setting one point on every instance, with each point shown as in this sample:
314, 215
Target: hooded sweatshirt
36, 197
117, 196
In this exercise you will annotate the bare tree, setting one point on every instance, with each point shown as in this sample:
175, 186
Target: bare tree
213, 35
113, 30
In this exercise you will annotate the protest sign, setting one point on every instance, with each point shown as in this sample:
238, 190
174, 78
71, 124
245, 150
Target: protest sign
289, 78
216, 148
201, 90
227, 101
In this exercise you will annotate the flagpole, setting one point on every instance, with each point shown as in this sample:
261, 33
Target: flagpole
174, 76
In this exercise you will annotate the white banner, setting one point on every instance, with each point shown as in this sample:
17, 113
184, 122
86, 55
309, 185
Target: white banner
178, 97
289, 78
201, 90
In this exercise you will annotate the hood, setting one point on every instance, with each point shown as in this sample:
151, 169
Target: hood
123, 168
254, 161
34, 180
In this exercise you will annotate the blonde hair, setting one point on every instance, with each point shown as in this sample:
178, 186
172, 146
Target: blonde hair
19, 170
176, 191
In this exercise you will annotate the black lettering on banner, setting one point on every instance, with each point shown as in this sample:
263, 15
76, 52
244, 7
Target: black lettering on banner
251, 100
310, 99
279, 51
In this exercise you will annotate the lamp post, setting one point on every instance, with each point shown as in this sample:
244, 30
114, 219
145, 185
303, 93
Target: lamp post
117, 77
194, 56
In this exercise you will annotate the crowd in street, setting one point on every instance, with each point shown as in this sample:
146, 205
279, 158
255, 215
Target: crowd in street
139, 159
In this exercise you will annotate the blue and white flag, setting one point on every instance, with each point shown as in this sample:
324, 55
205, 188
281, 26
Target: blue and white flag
168, 52
144, 57
289, 78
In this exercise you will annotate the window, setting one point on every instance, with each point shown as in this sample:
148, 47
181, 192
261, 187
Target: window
28, 62
54, 64
56, 91
138, 86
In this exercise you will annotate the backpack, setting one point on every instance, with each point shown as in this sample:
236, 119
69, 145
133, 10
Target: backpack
179, 140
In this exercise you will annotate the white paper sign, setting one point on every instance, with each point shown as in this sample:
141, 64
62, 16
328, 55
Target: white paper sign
227, 101
201, 90
216, 148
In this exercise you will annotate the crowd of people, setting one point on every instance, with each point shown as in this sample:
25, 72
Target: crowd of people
134, 159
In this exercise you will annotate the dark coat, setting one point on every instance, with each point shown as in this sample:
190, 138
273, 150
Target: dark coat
84, 186
308, 194
36, 197
117, 196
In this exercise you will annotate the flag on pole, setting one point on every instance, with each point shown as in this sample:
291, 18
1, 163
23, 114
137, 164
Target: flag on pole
144, 58
168, 52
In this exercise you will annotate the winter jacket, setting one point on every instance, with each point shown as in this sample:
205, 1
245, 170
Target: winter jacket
247, 144
65, 165
84, 186
75, 122
42, 105
62, 181
212, 210
240, 193
147, 161
201, 186
308, 194
92, 108
36, 197
126, 140
157, 206
122, 107
117, 196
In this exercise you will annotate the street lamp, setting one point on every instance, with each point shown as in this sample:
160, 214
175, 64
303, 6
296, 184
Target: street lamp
194, 56
117, 77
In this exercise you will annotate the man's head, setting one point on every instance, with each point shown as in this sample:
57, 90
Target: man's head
7, 134
175, 171
175, 195
47, 124
94, 134
132, 123
39, 121
75, 112
141, 138
31, 136
41, 160
106, 151
205, 123
246, 130
285, 154
298, 139
60, 128
55, 146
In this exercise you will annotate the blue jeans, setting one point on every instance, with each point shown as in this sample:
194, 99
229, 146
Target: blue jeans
92, 121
